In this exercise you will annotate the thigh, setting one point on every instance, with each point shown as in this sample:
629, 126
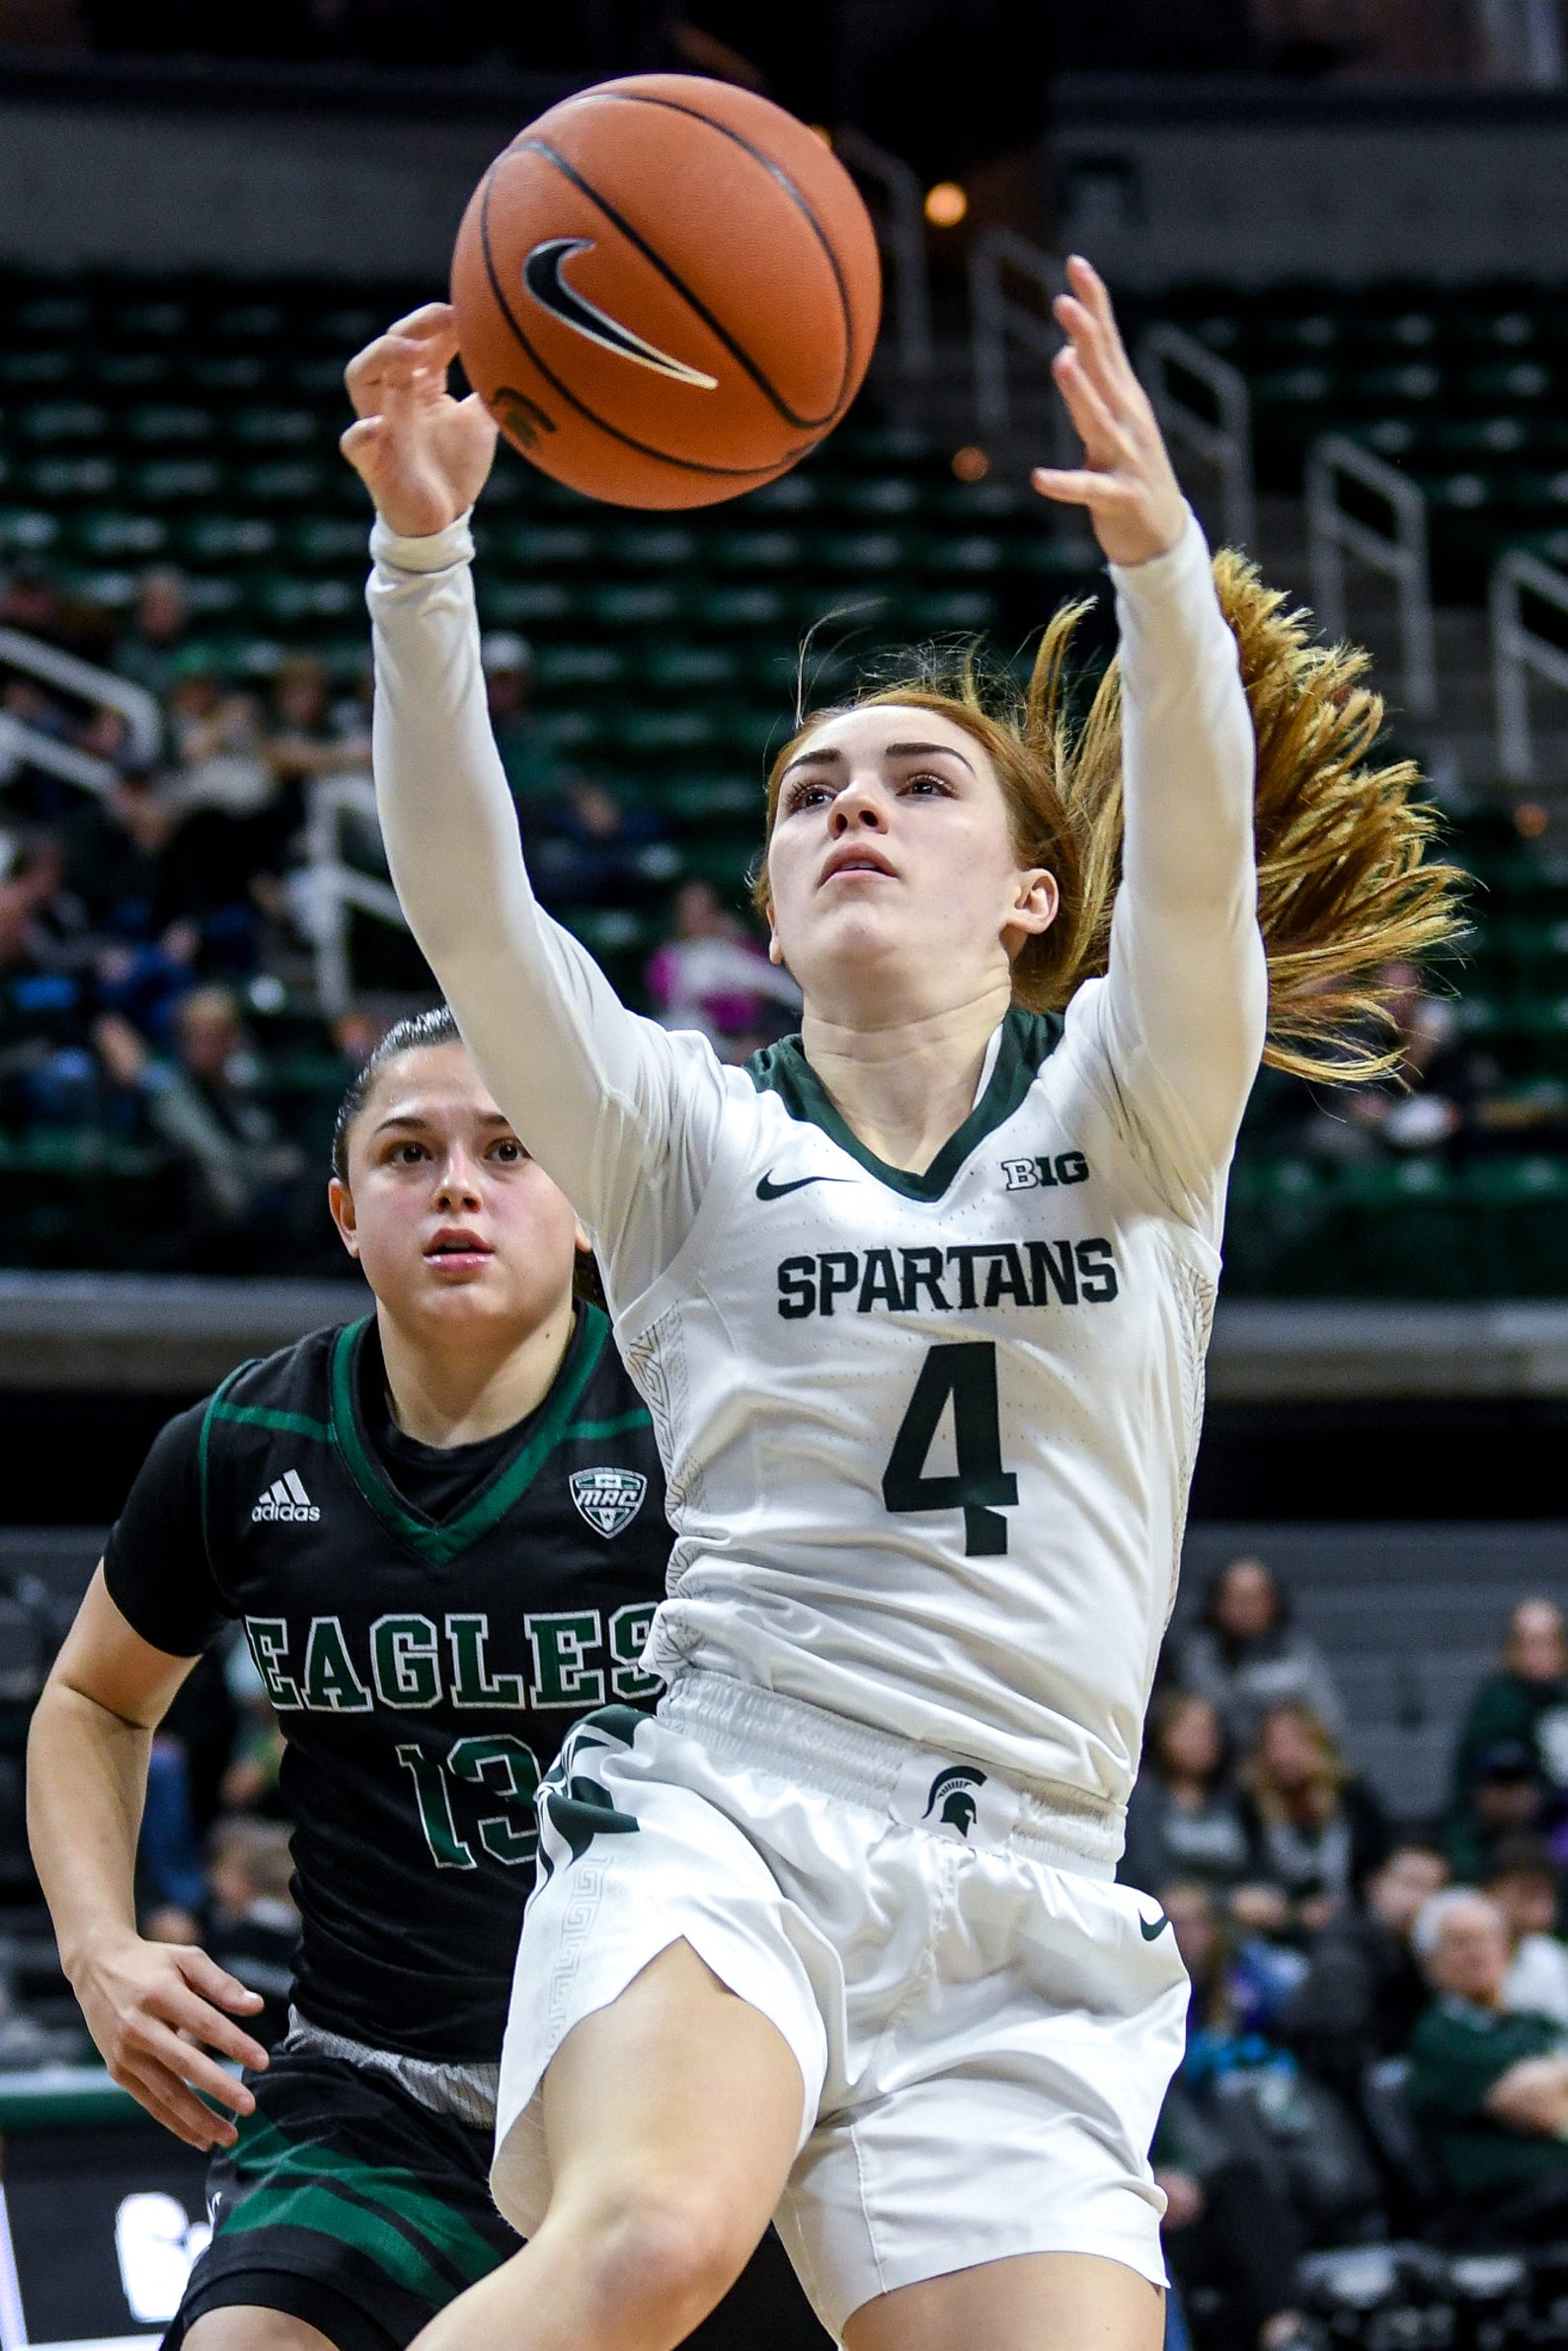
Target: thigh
678, 2083
1033, 2302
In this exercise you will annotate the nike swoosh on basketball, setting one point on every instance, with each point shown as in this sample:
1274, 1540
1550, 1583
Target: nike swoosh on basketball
541, 275
766, 1188
1152, 1934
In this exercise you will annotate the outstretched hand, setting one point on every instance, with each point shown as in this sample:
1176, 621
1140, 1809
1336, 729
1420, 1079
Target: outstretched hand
1127, 481
423, 455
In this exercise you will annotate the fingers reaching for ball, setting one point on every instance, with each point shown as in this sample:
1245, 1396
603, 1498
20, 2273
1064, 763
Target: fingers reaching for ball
1127, 481
423, 455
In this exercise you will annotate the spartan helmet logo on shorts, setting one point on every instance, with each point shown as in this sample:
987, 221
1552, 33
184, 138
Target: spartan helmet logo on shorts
951, 1792
609, 1499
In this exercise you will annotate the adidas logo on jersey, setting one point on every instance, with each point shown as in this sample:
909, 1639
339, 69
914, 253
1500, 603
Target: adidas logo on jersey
285, 1498
609, 1499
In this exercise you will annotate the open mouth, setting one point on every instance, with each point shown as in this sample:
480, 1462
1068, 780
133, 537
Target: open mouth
457, 1248
858, 861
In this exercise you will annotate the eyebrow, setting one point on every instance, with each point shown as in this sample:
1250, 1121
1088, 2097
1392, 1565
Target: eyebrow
416, 1119
893, 750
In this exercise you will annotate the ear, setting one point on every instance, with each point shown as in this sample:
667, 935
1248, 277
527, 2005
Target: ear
581, 1242
775, 951
339, 1200
1034, 908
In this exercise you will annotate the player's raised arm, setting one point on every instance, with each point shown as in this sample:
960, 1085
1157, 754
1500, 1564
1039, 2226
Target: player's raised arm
591, 1089
1188, 980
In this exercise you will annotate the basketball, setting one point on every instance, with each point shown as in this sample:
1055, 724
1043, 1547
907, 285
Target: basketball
666, 291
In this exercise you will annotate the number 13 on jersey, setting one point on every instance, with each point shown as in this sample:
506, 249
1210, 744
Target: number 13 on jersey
963, 1373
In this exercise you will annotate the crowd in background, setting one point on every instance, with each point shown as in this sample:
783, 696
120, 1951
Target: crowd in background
1378, 2031
145, 929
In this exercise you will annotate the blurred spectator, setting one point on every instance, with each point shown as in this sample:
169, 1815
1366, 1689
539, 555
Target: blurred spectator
148, 649
1525, 1704
252, 1927
43, 1014
1185, 1819
221, 763
532, 768
712, 975
1489, 2087
125, 861
1508, 1799
1244, 1655
203, 1103
250, 1784
169, 1873
304, 738
1318, 1831
1522, 1879
590, 846
1363, 1988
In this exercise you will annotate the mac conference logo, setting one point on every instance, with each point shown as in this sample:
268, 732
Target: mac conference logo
608, 1499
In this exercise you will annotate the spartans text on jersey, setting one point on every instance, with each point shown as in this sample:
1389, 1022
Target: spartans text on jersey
949, 1281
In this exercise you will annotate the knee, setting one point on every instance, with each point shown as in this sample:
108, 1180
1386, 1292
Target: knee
670, 2252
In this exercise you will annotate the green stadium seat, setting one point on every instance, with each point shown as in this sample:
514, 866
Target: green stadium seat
54, 480
165, 320
263, 426
132, 375
975, 555
956, 610
761, 553
27, 530
649, 547
888, 497
287, 481
542, 548
792, 494
227, 374
227, 538
168, 425
322, 541
63, 423
523, 604
288, 601
678, 668
175, 480
33, 371
861, 554
103, 536
657, 734
563, 668
645, 605
727, 609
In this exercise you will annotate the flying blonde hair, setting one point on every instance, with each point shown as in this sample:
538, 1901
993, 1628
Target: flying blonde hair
1345, 884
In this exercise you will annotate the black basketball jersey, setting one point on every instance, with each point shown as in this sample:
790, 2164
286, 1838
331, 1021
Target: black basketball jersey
425, 1670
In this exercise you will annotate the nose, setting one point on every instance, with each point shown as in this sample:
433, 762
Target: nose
860, 803
459, 1186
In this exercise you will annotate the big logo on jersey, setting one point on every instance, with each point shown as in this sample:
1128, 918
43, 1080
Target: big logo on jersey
609, 1499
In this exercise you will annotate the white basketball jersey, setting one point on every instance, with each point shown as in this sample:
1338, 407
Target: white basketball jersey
928, 1438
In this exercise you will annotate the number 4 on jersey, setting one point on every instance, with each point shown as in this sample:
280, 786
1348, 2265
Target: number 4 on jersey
965, 1372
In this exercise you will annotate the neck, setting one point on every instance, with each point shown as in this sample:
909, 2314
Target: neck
904, 1088
458, 1389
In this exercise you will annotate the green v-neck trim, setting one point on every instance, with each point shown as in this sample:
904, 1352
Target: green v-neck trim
440, 1541
1027, 1039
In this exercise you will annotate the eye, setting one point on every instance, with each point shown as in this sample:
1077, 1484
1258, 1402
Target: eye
509, 1150
805, 795
927, 784
406, 1154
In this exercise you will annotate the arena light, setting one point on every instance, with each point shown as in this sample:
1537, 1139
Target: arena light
946, 204
970, 464
1530, 819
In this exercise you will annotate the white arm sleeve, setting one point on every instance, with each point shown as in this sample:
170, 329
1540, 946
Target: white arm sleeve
1186, 998
622, 1115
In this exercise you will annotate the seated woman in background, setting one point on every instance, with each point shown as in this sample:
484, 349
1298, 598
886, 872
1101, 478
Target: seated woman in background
1318, 1831
1244, 1655
1185, 1819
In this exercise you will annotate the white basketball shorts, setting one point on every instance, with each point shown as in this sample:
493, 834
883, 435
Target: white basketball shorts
985, 2022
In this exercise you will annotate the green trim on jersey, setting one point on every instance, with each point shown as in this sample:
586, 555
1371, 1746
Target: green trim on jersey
1027, 1039
289, 1424
440, 1543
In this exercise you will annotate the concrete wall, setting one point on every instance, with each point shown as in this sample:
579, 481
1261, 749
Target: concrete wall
1274, 182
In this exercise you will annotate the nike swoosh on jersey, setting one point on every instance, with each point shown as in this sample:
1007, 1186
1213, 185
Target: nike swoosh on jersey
1152, 1933
766, 1188
541, 275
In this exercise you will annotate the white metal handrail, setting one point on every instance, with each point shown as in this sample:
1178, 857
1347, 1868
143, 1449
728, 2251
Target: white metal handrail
21, 745
332, 886
1518, 649
1399, 553
105, 687
1224, 441
996, 319
904, 235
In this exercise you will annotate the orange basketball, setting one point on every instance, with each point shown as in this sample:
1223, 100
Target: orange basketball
667, 290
